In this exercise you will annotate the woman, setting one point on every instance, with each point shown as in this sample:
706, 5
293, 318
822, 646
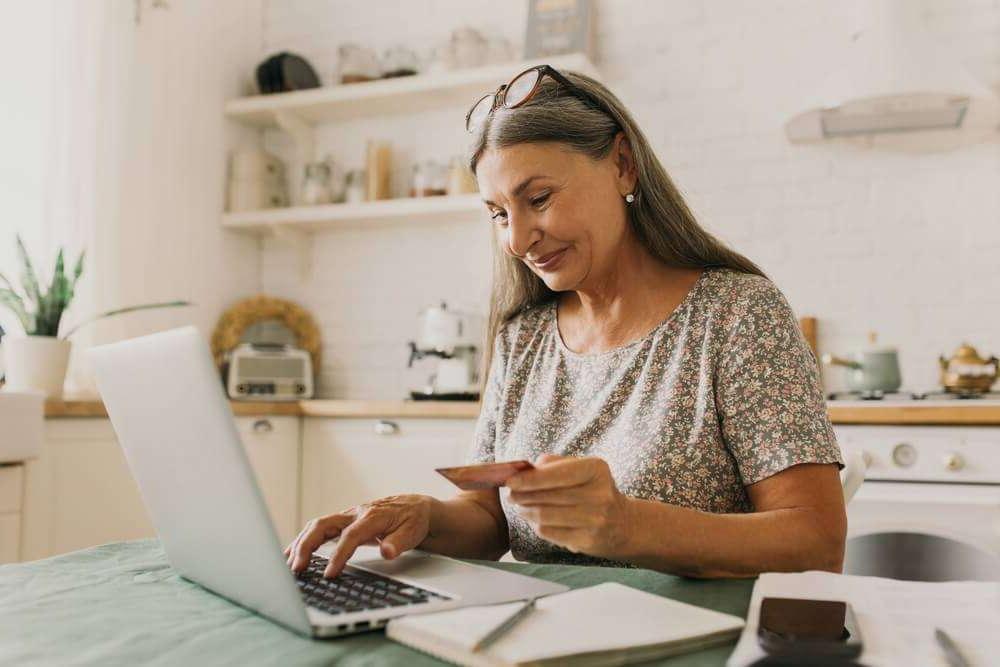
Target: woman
657, 379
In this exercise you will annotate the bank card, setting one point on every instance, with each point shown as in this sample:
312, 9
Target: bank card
484, 475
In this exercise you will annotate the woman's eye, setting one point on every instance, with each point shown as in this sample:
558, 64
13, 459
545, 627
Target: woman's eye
538, 201
497, 216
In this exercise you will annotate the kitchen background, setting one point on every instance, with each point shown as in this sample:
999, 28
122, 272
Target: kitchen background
897, 238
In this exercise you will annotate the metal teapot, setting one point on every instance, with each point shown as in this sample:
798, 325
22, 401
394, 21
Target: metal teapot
967, 373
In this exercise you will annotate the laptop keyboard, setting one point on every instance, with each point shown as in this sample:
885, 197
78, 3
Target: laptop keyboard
357, 590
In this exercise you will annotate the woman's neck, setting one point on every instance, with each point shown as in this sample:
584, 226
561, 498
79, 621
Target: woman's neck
625, 302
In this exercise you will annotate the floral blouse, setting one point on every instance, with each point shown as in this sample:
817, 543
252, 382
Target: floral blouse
722, 394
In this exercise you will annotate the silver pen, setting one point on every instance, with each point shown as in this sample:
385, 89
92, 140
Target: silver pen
496, 632
951, 652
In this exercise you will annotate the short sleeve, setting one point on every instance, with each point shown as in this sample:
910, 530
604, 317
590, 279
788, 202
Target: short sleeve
483, 445
771, 406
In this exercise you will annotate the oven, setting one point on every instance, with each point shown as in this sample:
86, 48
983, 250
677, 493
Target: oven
929, 509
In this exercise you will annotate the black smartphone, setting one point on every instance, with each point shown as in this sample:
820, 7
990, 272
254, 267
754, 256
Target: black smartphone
819, 628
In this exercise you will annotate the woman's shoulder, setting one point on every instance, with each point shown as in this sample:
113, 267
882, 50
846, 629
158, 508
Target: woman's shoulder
738, 293
527, 322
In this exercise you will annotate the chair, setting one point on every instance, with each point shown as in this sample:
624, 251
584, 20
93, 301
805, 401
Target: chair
853, 474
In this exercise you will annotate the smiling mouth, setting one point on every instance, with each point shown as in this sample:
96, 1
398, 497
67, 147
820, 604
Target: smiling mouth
542, 261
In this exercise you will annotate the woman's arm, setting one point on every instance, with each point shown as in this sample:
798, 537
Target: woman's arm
470, 525
799, 522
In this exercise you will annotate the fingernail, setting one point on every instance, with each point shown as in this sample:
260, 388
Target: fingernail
389, 551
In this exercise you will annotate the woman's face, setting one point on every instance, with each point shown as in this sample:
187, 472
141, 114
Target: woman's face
556, 210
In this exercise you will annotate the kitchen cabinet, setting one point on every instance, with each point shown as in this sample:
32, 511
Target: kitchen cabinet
350, 461
11, 484
80, 492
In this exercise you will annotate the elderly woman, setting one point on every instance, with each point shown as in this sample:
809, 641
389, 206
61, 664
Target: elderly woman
656, 378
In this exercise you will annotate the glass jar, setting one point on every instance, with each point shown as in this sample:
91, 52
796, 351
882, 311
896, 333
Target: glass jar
316, 184
429, 179
357, 186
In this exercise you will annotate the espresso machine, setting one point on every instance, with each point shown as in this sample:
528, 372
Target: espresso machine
449, 337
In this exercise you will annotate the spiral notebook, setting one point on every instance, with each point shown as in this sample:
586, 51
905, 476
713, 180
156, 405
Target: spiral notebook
606, 624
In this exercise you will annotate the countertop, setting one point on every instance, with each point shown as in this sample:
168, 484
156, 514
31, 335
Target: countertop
843, 412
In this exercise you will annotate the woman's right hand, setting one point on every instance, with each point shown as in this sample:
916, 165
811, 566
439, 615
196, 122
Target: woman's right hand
398, 523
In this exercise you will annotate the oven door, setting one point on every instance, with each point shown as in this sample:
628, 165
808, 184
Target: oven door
925, 531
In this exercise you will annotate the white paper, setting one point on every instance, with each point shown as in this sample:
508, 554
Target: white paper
896, 619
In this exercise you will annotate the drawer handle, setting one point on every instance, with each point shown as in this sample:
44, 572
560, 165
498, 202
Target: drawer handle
385, 427
263, 426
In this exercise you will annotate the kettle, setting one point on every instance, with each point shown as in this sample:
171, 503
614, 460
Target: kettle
873, 369
967, 373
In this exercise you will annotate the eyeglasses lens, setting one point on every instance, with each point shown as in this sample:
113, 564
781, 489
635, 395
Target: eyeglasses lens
521, 87
480, 112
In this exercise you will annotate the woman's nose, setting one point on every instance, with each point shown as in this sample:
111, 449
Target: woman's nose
521, 235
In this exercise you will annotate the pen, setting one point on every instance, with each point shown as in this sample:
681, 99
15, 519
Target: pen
496, 632
951, 652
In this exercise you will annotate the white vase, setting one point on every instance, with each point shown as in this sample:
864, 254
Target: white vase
36, 363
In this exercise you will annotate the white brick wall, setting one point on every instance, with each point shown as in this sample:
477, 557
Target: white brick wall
905, 243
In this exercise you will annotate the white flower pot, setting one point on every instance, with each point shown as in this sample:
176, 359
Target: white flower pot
36, 363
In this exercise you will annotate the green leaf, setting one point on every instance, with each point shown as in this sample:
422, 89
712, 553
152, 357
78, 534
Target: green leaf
129, 309
7, 282
78, 269
10, 299
28, 277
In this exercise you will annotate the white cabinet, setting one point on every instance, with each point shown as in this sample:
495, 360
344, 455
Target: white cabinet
272, 445
11, 485
350, 461
80, 492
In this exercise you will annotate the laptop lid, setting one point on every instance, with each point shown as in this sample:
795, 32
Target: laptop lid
174, 423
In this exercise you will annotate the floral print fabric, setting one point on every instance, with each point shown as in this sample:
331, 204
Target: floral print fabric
720, 395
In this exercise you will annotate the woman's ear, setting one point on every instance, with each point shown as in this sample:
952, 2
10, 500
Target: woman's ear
624, 164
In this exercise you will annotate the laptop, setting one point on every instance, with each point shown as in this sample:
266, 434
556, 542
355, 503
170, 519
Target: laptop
166, 402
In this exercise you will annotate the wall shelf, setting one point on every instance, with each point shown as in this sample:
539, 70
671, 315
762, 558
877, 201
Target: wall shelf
398, 95
410, 210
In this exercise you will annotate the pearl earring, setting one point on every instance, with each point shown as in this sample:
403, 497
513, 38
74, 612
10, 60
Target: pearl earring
630, 198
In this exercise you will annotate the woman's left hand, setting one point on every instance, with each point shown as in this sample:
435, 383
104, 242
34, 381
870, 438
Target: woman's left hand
573, 502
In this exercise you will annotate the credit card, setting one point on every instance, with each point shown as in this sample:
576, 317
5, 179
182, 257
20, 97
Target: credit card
484, 475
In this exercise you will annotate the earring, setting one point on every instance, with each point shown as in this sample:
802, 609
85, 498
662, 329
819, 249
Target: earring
630, 198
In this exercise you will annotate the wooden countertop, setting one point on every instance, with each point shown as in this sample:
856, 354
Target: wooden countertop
862, 412
93, 407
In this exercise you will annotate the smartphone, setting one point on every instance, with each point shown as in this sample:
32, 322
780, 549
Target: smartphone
808, 628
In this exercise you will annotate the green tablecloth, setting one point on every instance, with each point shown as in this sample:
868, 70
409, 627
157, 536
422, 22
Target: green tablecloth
122, 604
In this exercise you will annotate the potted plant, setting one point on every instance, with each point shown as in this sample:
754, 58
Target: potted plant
38, 360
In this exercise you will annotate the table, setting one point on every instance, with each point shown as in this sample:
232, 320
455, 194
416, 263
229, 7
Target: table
121, 603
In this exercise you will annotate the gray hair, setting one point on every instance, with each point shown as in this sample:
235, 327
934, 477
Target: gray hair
660, 218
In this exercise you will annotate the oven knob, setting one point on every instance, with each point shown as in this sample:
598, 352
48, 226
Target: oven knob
954, 462
904, 455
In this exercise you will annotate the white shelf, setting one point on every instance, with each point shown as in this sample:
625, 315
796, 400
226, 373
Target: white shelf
397, 95
415, 210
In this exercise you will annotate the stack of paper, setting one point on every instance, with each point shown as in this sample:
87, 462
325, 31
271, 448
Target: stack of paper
607, 624
896, 619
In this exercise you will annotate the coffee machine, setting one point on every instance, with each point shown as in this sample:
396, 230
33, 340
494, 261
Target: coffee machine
450, 337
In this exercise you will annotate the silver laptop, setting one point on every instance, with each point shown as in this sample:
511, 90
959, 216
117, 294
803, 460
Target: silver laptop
166, 402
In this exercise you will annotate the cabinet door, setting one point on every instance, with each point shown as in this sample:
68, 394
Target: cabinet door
272, 445
80, 492
11, 492
350, 461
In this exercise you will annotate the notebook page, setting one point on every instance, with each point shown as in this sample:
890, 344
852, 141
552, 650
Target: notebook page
606, 617
896, 619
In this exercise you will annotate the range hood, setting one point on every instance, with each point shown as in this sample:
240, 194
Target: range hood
893, 78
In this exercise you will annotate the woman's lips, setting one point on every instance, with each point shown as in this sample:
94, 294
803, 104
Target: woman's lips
549, 261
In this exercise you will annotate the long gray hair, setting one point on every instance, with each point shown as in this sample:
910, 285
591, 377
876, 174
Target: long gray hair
660, 218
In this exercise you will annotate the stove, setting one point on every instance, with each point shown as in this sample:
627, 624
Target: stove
929, 509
